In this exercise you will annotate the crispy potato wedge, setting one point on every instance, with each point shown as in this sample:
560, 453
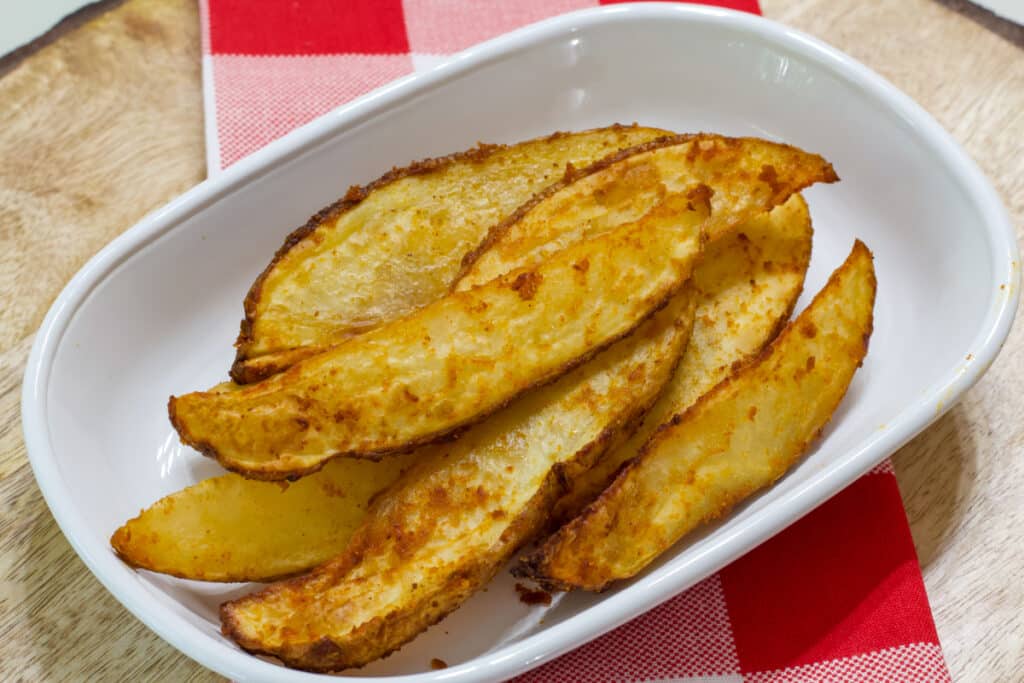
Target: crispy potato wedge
392, 247
746, 285
229, 528
377, 254
748, 177
738, 438
235, 529
453, 362
464, 509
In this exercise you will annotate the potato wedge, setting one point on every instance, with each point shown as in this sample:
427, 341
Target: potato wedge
748, 177
738, 438
235, 529
453, 362
392, 247
746, 285
377, 254
229, 528
463, 510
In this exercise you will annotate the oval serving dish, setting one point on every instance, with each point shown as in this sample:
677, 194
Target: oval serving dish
155, 312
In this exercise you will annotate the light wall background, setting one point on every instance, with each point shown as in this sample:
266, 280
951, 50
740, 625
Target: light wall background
23, 20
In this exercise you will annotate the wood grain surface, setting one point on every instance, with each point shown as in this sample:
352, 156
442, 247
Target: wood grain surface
104, 123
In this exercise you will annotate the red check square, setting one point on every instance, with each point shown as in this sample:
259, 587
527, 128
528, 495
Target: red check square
310, 27
259, 99
840, 582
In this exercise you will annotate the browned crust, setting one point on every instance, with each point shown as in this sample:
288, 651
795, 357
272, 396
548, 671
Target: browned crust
783, 321
563, 516
355, 195
251, 370
628, 429
535, 565
243, 373
271, 470
384, 635
573, 174
294, 473
352, 198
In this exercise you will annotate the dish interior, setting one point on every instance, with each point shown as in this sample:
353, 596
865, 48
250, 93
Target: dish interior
163, 321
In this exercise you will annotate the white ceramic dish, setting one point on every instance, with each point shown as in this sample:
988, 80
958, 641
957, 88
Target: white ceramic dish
155, 312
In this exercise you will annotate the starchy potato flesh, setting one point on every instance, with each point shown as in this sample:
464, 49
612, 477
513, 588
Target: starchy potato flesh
738, 438
455, 361
229, 528
248, 530
462, 511
746, 286
747, 177
394, 246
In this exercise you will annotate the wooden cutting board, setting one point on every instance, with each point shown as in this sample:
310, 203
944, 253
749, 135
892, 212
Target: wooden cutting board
104, 123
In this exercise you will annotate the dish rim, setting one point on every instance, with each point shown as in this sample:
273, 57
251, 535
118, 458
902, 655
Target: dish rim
651, 589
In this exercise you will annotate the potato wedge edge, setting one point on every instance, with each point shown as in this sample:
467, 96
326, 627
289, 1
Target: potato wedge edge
453, 520
229, 528
747, 176
242, 525
448, 365
738, 438
746, 285
378, 253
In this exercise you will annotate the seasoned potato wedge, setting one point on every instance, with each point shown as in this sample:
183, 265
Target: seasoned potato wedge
391, 247
464, 509
748, 177
229, 528
235, 529
738, 438
746, 284
455, 361
378, 254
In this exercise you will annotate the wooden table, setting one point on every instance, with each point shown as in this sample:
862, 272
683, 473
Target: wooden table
103, 123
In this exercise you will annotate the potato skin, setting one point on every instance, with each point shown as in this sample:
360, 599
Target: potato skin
452, 363
746, 285
453, 521
282, 428
378, 253
737, 439
233, 529
747, 177
365, 603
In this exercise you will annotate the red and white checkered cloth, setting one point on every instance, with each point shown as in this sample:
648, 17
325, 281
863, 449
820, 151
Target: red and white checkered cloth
836, 597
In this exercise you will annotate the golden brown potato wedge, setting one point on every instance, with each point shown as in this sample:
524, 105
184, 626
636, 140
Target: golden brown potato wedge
748, 177
391, 247
453, 362
229, 528
464, 509
378, 254
746, 284
235, 529
738, 438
